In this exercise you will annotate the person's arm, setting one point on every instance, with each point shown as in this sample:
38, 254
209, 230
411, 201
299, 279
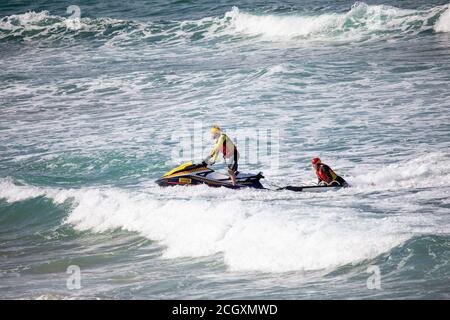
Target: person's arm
215, 151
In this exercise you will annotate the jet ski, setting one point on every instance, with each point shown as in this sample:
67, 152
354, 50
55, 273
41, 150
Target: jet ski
190, 174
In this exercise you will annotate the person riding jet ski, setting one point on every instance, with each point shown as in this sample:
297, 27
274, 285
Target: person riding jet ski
326, 175
224, 145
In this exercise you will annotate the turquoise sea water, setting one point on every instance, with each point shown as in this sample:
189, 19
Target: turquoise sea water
89, 109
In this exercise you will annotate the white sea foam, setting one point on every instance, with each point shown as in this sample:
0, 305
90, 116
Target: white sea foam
48, 25
255, 230
279, 26
361, 21
430, 170
443, 23
28, 20
12, 192
260, 237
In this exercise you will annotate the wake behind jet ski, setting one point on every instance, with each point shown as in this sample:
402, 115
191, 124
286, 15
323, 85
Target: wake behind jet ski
190, 174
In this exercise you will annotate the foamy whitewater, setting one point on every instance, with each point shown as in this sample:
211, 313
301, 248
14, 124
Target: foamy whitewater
91, 106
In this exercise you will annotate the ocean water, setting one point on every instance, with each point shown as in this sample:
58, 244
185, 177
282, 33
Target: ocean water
90, 106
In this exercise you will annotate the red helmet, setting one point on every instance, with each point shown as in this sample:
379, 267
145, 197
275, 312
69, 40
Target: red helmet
315, 161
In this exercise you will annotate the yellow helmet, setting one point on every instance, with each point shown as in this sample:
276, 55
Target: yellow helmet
215, 129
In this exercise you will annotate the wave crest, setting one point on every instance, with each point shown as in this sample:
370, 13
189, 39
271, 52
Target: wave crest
259, 237
361, 22
443, 23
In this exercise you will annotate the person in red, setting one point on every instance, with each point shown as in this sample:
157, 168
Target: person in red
326, 175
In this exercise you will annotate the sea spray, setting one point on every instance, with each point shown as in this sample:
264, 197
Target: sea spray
360, 22
443, 23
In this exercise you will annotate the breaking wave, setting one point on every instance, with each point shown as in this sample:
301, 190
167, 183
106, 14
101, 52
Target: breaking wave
443, 23
361, 22
429, 170
251, 231
261, 240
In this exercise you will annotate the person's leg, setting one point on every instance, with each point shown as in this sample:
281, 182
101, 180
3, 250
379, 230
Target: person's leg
232, 169
232, 175
341, 181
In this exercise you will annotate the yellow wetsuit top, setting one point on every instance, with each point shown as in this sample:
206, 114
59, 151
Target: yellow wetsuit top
225, 146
